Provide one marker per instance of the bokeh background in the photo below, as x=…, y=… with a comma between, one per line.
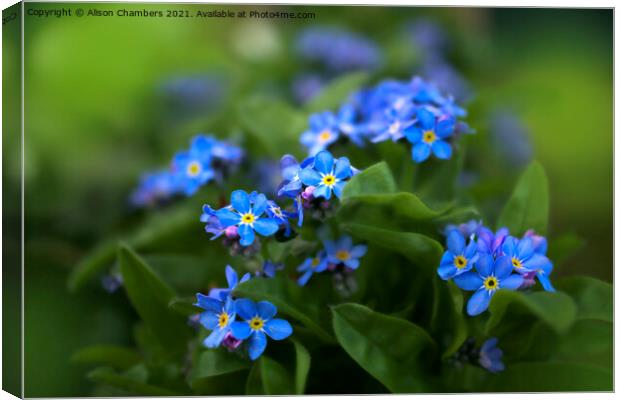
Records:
x=107, y=98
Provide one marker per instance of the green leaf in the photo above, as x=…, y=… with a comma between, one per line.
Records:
x=337, y=92
x=563, y=247
x=274, y=123
x=290, y=299
x=108, y=376
x=550, y=377
x=302, y=360
x=418, y=248
x=447, y=321
x=150, y=296
x=218, y=371
x=589, y=341
x=395, y=351
x=276, y=379
x=92, y=265
x=594, y=297
x=557, y=309
x=528, y=207
x=376, y=179
x=108, y=355
x=184, y=306
x=254, y=383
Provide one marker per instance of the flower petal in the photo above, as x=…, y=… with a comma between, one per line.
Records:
x=512, y=282
x=260, y=204
x=447, y=271
x=442, y=149
x=322, y=191
x=510, y=246
x=324, y=162
x=479, y=302
x=208, y=303
x=445, y=127
x=240, y=330
x=525, y=248
x=343, y=168
x=543, y=278
x=485, y=264
x=456, y=242
x=503, y=267
x=352, y=263
x=266, y=310
x=257, y=345
x=305, y=277
x=215, y=338
x=420, y=152
x=266, y=226
x=413, y=134
x=278, y=329
x=359, y=251
x=227, y=218
x=539, y=262
x=240, y=201
x=246, y=308
x=209, y=320
x=310, y=177
x=231, y=277
x=338, y=187
x=426, y=119
x=246, y=234
x=468, y=281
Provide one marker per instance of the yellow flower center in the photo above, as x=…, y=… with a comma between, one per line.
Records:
x=222, y=320
x=429, y=137
x=343, y=255
x=329, y=180
x=490, y=283
x=460, y=262
x=324, y=136
x=277, y=211
x=248, y=218
x=315, y=262
x=193, y=168
x=257, y=323
x=516, y=263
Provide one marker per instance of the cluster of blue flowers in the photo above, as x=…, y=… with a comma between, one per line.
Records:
x=206, y=159
x=393, y=110
x=257, y=319
x=341, y=253
x=479, y=260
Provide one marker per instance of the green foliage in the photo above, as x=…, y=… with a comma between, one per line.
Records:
x=108, y=355
x=393, y=350
x=528, y=207
x=131, y=385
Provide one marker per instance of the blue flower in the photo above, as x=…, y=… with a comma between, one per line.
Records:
x=310, y=266
x=258, y=324
x=323, y=131
x=291, y=185
x=425, y=92
x=270, y=269
x=429, y=136
x=112, y=282
x=491, y=276
x=489, y=242
x=193, y=167
x=217, y=317
x=246, y=213
x=233, y=280
x=467, y=229
x=491, y=356
x=343, y=251
x=525, y=260
x=395, y=123
x=280, y=216
x=326, y=175
x=153, y=187
x=459, y=258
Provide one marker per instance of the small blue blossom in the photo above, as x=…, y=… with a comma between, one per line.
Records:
x=291, y=185
x=217, y=317
x=310, y=266
x=428, y=136
x=280, y=216
x=270, y=269
x=489, y=242
x=491, y=276
x=193, y=167
x=467, y=229
x=344, y=252
x=526, y=261
x=245, y=213
x=233, y=280
x=491, y=356
x=396, y=122
x=258, y=324
x=327, y=175
x=154, y=187
x=459, y=258
x=112, y=282
x=323, y=131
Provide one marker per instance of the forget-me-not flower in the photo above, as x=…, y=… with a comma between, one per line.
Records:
x=233, y=280
x=491, y=356
x=217, y=317
x=258, y=324
x=193, y=167
x=428, y=136
x=326, y=175
x=525, y=260
x=459, y=258
x=343, y=251
x=246, y=214
x=310, y=266
x=490, y=276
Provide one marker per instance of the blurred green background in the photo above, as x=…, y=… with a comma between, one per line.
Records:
x=96, y=119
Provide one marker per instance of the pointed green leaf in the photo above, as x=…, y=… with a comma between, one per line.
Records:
x=528, y=207
x=276, y=379
x=376, y=179
x=108, y=376
x=150, y=296
x=254, y=383
x=184, y=306
x=557, y=310
x=594, y=297
x=395, y=351
x=218, y=371
x=418, y=248
x=302, y=360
